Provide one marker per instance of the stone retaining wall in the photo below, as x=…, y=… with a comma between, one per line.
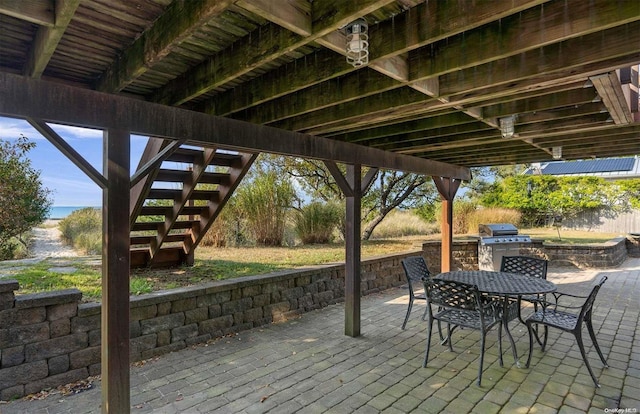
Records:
x=600, y=256
x=50, y=339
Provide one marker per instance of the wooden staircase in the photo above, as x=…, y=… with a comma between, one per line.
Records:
x=182, y=191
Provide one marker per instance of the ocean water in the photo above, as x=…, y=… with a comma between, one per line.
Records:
x=60, y=212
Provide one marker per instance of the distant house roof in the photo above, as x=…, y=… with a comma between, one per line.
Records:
x=608, y=168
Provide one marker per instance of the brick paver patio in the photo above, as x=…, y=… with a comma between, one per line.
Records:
x=308, y=365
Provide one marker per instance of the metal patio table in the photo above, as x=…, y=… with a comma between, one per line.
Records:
x=503, y=285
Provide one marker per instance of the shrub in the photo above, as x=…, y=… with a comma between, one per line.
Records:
x=315, y=223
x=8, y=249
x=82, y=229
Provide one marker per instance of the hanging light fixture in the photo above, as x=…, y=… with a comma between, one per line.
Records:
x=507, y=126
x=556, y=152
x=357, y=43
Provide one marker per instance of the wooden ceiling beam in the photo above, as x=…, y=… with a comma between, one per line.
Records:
x=437, y=20
x=40, y=12
x=375, y=108
x=177, y=23
x=303, y=73
x=522, y=32
x=499, y=75
x=53, y=102
x=294, y=15
x=47, y=38
x=610, y=91
x=270, y=43
x=414, y=125
x=354, y=86
x=439, y=142
x=429, y=22
x=589, y=55
x=540, y=103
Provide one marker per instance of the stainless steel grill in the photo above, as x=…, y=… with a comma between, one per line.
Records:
x=501, y=233
x=498, y=240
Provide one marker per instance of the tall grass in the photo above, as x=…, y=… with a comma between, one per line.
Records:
x=316, y=222
x=403, y=223
x=264, y=204
x=82, y=229
x=492, y=215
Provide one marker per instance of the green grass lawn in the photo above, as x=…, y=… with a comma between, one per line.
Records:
x=229, y=262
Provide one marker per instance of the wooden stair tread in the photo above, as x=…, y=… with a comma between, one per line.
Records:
x=153, y=225
x=180, y=176
x=173, y=194
x=188, y=155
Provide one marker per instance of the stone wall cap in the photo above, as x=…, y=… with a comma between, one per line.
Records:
x=58, y=297
x=8, y=285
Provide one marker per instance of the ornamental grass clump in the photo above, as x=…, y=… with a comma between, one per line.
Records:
x=316, y=223
x=82, y=229
x=264, y=204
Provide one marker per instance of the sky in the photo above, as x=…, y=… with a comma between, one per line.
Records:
x=69, y=185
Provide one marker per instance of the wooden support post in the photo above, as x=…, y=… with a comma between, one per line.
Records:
x=115, y=273
x=447, y=187
x=353, y=186
x=353, y=253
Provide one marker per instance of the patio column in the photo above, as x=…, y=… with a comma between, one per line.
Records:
x=447, y=187
x=116, y=392
x=352, y=252
x=353, y=186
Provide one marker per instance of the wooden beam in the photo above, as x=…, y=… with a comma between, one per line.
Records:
x=367, y=110
x=590, y=55
x=68, y=151
x=353, y=187
x=40, y=12
x=273, y=112
x=341, y=181
x=115, y=274
x=180, y=21
x=143, y=182
x=48, y=37
x=346, y=89
x=22, y=97
x=294, y=15
x=155, y=162
x=435, y=20
x=353, y=253
x=610, y=91
x=543, y=25
x=270, y=43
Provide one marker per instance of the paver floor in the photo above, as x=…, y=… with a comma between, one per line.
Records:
x=308, y=365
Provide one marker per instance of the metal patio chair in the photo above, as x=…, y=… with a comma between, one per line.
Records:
x=459, y=304
x=415, y=269
x=528, y=266
x=551, y=316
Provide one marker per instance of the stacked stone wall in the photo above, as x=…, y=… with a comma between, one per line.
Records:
x=50, y=339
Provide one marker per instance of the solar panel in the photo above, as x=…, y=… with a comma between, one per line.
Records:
x=589, y=166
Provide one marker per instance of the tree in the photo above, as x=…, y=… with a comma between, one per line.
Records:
x=390, y=189
x=543, y=197
x=24, y=202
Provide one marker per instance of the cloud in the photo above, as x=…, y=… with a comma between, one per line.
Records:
x=11, y=128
